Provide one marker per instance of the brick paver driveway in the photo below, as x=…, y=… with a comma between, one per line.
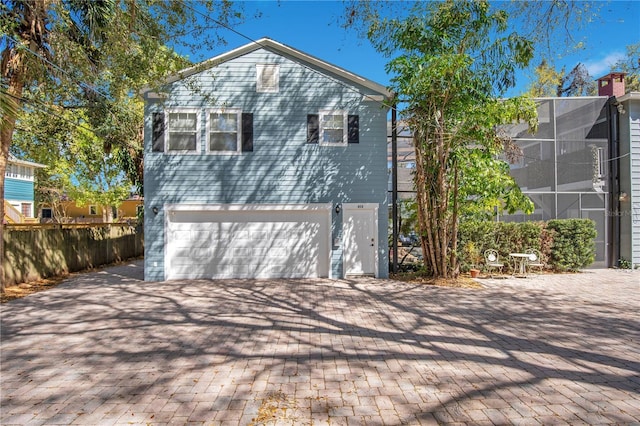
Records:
x=107, y=348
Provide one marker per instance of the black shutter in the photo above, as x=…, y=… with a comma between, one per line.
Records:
x=247, y=132
x=313, y=128
x=354, y=128
x=157, y=132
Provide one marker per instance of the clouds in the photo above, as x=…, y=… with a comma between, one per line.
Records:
x=602, y=67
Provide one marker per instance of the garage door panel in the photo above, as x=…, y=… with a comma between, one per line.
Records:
x=248, y=244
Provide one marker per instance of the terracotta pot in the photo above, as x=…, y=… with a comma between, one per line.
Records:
x=474, y=273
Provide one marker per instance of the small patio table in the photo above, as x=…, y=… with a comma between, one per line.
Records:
x=520, y=262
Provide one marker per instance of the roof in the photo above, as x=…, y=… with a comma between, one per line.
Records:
x=629, y=96
x=269, y=44
x=13, y=160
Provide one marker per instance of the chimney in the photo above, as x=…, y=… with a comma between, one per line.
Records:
x=611, y=84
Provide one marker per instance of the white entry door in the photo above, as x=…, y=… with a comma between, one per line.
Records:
x=360, y=236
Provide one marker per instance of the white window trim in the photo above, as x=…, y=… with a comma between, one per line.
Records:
x=20, y=172
x=167, y=130
x=345, y=127
x=260, y=88
x=236, y=111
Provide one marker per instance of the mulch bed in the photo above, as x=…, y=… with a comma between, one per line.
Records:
x=415, y=278
x=21, y=290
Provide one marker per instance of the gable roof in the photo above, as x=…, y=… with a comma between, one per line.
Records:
x=269, y=44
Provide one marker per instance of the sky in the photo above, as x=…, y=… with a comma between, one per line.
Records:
x=312, y=27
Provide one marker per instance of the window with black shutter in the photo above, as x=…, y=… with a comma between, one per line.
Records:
x=333, y=128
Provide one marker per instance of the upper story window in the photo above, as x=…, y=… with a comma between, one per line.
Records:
x=178, y=131
x=183, y=131
x=19, y=172
x=267, y=78
x=224, y=130
x=333, y=127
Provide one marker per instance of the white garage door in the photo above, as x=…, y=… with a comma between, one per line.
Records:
x=255, y=241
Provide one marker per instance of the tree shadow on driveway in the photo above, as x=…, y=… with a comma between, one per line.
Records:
x=108, y=347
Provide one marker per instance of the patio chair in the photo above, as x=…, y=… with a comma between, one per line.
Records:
x=492, y=261
x=535, y=259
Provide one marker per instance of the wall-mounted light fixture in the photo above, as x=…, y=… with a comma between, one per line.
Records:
x=155, y=210
x=623, y=196
x=338, y=209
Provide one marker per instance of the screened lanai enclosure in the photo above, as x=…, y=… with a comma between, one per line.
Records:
x=565, y=167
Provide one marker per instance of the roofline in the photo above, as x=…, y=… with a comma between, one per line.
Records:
x=14, y=160
x=272, y=44
x=544, y=98
x=629, y=96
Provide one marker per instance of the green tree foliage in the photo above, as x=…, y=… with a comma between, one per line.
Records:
x=485, y=186
x=78, y=168
x=454, y=60
x=550, y=82
x=630, y=65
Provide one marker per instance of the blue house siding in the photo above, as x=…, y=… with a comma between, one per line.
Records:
x=283, y=168
x=18, y=190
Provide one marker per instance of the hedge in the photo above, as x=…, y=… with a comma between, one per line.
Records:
x=573, y=243
x=566, y=244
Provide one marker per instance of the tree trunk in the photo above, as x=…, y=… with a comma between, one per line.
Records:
x=31, y=29
x=9, y=123
x=12, y=71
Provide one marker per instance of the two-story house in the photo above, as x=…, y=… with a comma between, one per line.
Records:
x=265, y=162
x=19, y=190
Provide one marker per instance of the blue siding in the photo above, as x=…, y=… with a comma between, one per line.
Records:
x=18, y=190
x=282, y=168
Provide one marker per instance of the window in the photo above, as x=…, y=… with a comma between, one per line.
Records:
x=25, y=209
x=182, y=131
x=229, y=131
x=93, y=210
x=224, y=131
x=333, y=128
x=46, y=213
x=267, y=78
x=19, y=172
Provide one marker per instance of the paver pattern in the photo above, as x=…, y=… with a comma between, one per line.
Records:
x=108, y=348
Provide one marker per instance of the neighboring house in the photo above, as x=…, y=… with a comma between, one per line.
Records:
x=627, y=221
x=265, y=162
x=69, y=212
x=583, y=162
x=18, y=190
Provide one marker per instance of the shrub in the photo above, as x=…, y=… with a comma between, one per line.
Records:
x=567, y=244
x=573, y=244
x=505, y=237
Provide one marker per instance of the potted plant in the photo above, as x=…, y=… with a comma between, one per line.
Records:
x=472, y=254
